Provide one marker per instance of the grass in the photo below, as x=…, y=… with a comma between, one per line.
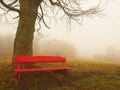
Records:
x=83, y=75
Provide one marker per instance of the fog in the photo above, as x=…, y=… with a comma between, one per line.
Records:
x=97, y=37
x=54, y=47
x=6, y=45
x=44, y=46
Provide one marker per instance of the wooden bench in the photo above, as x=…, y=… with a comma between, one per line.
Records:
x=38, y=59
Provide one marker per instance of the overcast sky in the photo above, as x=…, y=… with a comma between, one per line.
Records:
x=93, y=37
x=96, y=34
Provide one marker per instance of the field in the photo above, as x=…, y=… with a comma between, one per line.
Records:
x=83, y=75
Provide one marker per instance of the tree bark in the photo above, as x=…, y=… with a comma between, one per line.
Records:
x=25, y=32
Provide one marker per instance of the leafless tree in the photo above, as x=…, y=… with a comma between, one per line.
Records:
x=31, y=11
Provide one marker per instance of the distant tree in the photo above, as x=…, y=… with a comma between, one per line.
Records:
x=6, y=45
x=54, y=47
x=30, y=11
x=111, y=54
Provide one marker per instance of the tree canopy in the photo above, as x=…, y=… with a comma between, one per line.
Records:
x=72, y=9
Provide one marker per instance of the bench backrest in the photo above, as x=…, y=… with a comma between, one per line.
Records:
x=36, y=59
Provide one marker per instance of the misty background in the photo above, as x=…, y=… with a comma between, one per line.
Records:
x=96, y=37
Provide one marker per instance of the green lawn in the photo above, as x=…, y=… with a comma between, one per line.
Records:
x=83, y=75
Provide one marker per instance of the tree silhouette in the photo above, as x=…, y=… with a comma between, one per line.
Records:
x=32, y=11
x=54, y=47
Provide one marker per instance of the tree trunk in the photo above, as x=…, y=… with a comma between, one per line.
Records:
x=26, y=26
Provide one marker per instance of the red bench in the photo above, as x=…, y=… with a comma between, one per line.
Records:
x=37, y=59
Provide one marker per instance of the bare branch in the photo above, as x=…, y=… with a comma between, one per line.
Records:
x=13, y=2
x=74, y=11
x=9, y=7
x=43, y=17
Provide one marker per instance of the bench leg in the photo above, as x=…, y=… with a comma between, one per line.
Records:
x=18, y=75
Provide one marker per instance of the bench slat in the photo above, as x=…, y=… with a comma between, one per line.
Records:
x=41, y=69
x=36, y=59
